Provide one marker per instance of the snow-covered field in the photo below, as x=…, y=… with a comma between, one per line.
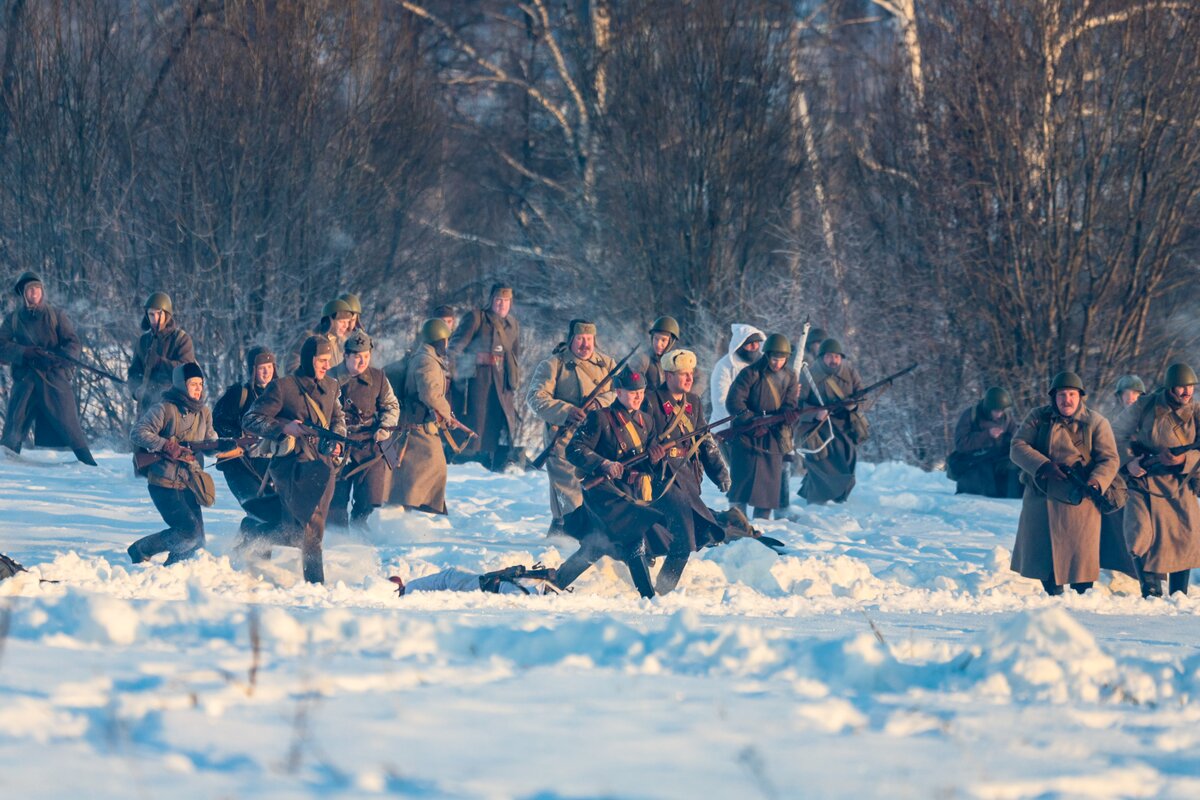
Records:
x=889, y=653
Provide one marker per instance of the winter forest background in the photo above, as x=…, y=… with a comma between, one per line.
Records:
x=998, y=189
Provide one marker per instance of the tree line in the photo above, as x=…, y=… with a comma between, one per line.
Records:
x=997, y=189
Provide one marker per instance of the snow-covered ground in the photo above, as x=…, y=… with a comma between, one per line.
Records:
x=889, y=653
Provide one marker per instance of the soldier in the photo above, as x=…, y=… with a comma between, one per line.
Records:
x=1129, y=389
x=163, y=347
x=371, y=410
x=334, y=326
x=246, y=475
x=176, y=480
x=812, y=348
x=829, y=473
x=34, y=339
x=628, y=527
x=1162, y=519
x=676, y=411
x=302, y=467
x=355, y=305
x=485, y=348
x=1058, y=535
x=419, y=482
x=558, y=387
x=982, y=438
x=745, y=345
x=756, y=456
x=664, y=333
x=446, y=314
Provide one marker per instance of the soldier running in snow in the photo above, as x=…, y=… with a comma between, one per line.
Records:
x=38, y=340
x=419, y=481
x=291, y=413
x=371, y=411
x=982, y=438
x=829, y=471
x=178, y=485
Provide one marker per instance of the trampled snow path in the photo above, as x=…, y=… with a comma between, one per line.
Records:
x=761, y=677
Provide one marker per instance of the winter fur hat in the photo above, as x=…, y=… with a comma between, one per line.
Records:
x=184, y=373
x=313, y=346
x=679, y=360
x=257, y=356
x=579, y=327
x=358, y=342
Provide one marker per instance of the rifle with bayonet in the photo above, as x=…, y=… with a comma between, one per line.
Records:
x=224, y=447
x=853, y=399
x=570, y=427
x=40, y=353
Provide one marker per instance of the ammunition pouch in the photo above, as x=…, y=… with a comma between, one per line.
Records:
x=859, y=428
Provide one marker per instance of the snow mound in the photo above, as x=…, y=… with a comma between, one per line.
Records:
x=1047, y=655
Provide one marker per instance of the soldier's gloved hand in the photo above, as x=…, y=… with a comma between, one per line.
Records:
x=725, y=484
x=995, y=431
x=173, y=449
x=1051, y=470
x=293, y=428
x=576, y=416
x=382, y=435
x=1167, y=460
x=791, y=416
x=613, y=469
x=657, y=452
x=822, y=414
x=1095, y=484
x=1134, y=467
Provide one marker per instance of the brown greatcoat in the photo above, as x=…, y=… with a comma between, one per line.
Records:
x=560, y=383
x=41, y=396
x=989, y=471
x=420, y=480
x=485, y=348
x=1162, y=518
x=756, y=460
x=829, y=473
x=303, y=478
x=155, y=358
x=1057, y=541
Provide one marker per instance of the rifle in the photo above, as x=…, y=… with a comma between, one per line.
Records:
x=143, y=458
x=1077, y=474
x=490, y=581
x=669, y=443
x=854, y=398
x=570, y=427
x=1150, y=457
x=70, y=359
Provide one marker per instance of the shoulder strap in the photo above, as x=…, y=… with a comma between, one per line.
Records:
x=312, y=404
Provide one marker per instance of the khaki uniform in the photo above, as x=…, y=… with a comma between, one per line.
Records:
x=1162, y=518
x=155, y=358
x=560, y=383
x=756, y=460
x=829, y=474
x=485, y=349
x=369, y=404
x=1058, y=542
x=419, y=482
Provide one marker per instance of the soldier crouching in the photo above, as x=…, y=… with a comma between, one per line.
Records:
x=178, y=486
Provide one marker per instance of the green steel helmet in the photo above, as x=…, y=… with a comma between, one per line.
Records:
x=831, y=346
x=997, y=399
x=665, y=325
x=1067, y=380
x=26, y=278
x=352, y=301
x=1179, y=375
x=435, y=330
x=777, y=345
x=335, y=307
x=160, y=301
x=815, y=337
x=1130, y=382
